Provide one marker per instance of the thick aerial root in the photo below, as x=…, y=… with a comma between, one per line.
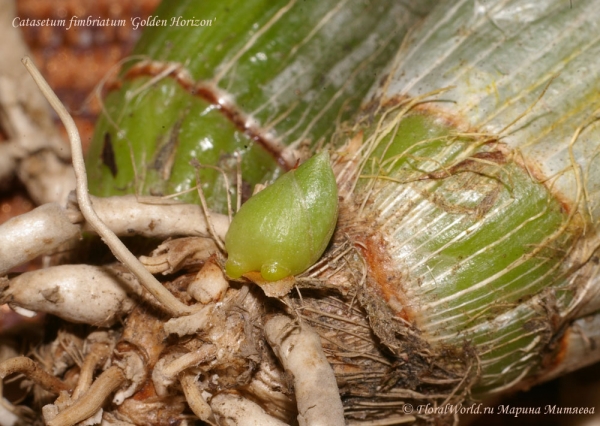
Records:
x=8, y=414
x=166, y=370
x=298, y=347
x=46, y=228
x=91, y=401
x=190, y=324
x=238, y=411
x=32, y=234
x=195, y=400
x=76, y=293
x=151, y=217
x=109, y=419
x=204, y=354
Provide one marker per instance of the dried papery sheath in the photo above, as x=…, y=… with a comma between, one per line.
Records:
x=285, y=228
x=209, y=285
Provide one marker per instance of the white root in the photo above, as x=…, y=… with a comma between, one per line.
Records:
x=167, y=369
x=195, y=400
x=32, y=234
x=170, y=303
x=234, y=410
x=76, y=293
x=108, y=419
x=7, y=414
x=298, y=347
x=44, y=229
x=152, y=217
x=201, y=355
x=190, y=324
x=209, y=285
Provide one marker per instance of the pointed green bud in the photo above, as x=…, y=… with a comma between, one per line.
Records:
x=285, y=228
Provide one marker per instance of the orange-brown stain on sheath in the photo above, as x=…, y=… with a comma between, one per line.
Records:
x=387, y=278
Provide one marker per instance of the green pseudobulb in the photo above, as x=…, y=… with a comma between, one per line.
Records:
x=285, y=228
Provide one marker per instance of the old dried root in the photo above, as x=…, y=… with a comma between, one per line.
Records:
x=99, y=351
x=91, y=401
x=33, y=371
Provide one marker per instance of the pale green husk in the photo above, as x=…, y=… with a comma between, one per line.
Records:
x=474, y=190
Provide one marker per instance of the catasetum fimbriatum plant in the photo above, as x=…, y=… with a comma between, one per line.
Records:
x=439, y=248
